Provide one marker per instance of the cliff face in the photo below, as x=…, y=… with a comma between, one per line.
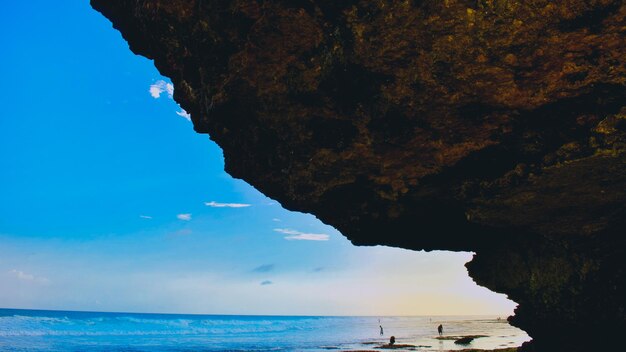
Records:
x=496, y=126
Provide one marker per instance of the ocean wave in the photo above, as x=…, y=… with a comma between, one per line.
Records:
x=19, y=325
x=45, y=331
x=43, y=320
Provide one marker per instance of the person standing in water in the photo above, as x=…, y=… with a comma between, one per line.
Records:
x=440, y=329
x=381, y=330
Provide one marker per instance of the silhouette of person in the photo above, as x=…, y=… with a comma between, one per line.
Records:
x=440, y=329
x=392, y=340
x=381, y=330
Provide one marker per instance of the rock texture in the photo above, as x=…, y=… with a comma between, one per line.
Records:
x=494, y=126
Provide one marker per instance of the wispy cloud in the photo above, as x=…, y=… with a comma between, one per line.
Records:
x=318, y=269
x=22, y=276
x=266, y=282
x=294, y=235
x=184, y=114
x=159, y=87
x=185, y=216
x=145, y=216
x=276, y=219
x=265, y=268
x=308, y=237
x=214, y=204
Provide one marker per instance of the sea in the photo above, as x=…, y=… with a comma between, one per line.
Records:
x=64, y=331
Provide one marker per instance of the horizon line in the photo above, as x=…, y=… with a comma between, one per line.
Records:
x=257, y=315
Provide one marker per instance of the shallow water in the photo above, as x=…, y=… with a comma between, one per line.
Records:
x=33, y=330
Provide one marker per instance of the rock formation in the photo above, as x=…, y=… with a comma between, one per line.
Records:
x=493, y=126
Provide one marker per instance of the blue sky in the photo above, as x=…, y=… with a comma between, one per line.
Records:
x=109, y=200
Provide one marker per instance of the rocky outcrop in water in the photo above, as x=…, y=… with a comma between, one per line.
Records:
x=493, y=126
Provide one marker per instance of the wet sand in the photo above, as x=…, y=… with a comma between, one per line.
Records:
x=415, y=348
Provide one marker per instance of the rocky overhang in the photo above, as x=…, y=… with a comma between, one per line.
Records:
x=493, y=126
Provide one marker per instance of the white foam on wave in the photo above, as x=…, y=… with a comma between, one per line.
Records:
x=19, y=325
x=45, y=320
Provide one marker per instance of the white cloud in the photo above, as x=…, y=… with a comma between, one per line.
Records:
x=308, y=237
x=276, y=219
x=302, y=236
x=145, y=216
x=185, y=216
x=214, y=204
x=184, y=114
x=159, y=87
x=20, y=275
x=155, y=91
